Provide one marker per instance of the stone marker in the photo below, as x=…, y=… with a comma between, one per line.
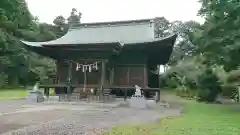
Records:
x=138, y=101
x=35, y=95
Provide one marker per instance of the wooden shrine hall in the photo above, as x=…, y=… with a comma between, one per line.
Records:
x=107, y=55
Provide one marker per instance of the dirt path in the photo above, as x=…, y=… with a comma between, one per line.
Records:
x=71, y=120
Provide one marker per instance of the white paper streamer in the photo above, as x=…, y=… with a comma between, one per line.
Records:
x=78, y=67
x=90, y=68
x=95, y=65
x=86, y=67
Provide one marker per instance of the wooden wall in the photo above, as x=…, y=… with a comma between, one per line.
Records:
x=130, y=69
x=129, y=75
x=126, y=70
x=93, y=77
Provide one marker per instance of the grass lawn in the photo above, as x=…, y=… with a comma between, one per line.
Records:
x=198, y=119
x=6, y=94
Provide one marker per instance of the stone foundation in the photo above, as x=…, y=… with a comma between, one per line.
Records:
x=35, y=96
x=101, y=98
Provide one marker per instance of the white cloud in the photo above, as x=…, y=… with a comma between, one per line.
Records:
x=113, y=10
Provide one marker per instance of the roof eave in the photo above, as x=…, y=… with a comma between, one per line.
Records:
x=44, y=44
x=172, y=38
x=33, y=44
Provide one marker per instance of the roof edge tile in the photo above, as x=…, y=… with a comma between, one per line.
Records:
x=112, y=23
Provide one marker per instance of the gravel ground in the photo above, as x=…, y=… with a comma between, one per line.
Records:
x=12, y=105
x=86, y=122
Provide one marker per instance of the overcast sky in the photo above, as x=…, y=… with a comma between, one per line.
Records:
x=114, y=10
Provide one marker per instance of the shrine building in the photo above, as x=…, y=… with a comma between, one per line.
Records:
x=106, y=55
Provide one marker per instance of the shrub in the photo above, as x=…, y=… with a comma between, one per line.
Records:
x=184, y=73
x=184, y=92
x=209, y=86
x=171, y=80
x=203, y=95
x=191, y=78
x=3, y=80
x=234, y=77
x=230, y=88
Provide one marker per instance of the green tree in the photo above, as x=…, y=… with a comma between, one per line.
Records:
x=183, y=48
x=219, y=41
x=60, y=21
x=75, y=17
x=18, y=65
x=161, y=26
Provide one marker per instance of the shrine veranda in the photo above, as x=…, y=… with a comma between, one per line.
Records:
x=107, y=55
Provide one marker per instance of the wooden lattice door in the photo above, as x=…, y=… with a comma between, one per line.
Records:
x=136, y=76
x=129, y=76
x=121, y=76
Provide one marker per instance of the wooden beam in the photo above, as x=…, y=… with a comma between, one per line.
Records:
x=88, y=49
x=61, y=54
x=121, y=65
x=84, y=55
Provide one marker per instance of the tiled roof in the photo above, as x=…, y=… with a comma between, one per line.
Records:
x=124, y=32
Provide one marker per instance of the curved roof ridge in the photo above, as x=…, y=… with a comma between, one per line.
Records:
x=112, y=23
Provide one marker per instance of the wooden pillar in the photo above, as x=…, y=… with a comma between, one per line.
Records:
x=112, y=77
x=125, y=94
x=69, y=77
x=145, y=76
x=85, y=81
x=158, y=95
x=57, y=72
x=46, y=91
x=159, y=83
x=128, y=75
x=57, y=77
x=103, y=73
